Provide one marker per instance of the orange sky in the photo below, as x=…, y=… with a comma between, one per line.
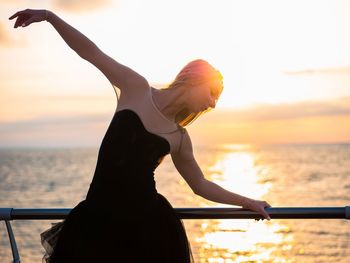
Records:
x=286, y=67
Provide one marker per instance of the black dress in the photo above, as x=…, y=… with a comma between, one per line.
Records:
x=123, y=218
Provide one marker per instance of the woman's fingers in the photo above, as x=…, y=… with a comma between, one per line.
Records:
x=29, y=21
x=262, y=211
x=28, y=16
x=259, y=207
x=266, y=215
x=15, y=15
x=19, y=13
x=22, y=18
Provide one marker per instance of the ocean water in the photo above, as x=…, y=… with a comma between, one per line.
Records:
x=283, y=175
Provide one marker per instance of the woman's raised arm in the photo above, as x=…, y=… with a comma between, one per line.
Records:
x=118, y=74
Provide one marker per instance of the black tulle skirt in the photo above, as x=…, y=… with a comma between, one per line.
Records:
x=86, y=236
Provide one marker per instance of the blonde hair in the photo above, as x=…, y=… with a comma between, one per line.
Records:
x=195, y=73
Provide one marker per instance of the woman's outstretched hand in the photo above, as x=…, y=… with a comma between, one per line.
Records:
x=28, y=16
x=259, y=207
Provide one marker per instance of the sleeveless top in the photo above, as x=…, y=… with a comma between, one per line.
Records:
x=128, y=155
x=123, y=218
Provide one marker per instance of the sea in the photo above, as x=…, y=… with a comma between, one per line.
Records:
x=303, y=175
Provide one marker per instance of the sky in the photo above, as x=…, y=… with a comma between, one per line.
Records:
x=286, y=68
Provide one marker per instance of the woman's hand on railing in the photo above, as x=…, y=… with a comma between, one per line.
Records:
x=29, y=16
x=258, y=206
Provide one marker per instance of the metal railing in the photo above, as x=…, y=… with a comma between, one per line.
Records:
x=8, y=214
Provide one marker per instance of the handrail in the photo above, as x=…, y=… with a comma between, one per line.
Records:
x=195, y=213
x=7, y=214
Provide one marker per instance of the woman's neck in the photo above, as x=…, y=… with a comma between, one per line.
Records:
x=169, y=101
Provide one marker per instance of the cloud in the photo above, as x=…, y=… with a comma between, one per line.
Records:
x=74, y=131
x=302, y=122
x=80, y=5
x=53, y=121
x=290, y=111
x=256, y=124
x=285, y=111
x=302, y=110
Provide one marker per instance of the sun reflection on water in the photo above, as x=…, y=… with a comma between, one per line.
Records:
x=236, y=171
x=242, y=240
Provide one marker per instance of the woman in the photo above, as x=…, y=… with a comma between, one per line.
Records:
x=123, y=218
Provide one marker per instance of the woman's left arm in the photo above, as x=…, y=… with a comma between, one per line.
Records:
x=121, y=76
x=187, y=166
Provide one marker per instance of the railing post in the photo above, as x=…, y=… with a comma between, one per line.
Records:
x=14, y=248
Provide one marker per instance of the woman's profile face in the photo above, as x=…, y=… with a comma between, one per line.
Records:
x=201, y=98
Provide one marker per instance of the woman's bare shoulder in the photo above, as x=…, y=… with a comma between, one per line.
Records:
x=135, y=91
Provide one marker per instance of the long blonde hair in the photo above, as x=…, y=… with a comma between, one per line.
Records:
x=194, y=73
